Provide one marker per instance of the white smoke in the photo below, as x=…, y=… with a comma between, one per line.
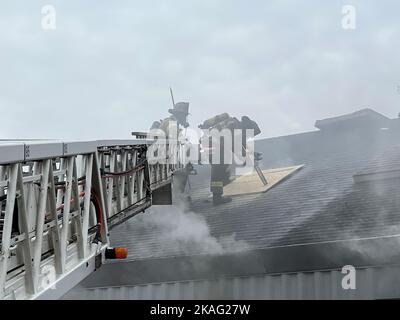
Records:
x=380, y=226
x=183, y=232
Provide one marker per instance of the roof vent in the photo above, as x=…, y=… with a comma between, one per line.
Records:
x=363, y=119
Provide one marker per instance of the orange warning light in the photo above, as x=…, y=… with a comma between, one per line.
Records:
x=116, y=253
x=121, y=253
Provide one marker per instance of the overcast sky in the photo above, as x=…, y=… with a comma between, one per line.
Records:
x=107, y=67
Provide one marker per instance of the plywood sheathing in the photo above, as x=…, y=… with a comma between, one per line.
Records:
x=251, y=183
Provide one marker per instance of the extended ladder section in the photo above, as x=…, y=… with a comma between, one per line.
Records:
x=58, y=201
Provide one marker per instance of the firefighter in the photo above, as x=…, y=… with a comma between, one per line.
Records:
x=221, y=173
x=171, y=127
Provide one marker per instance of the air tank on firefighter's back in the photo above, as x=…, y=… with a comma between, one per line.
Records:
x=209, y=123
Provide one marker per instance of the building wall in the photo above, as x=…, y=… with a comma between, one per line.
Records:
x=371, y=283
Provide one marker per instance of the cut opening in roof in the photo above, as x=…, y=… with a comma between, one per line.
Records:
x=385, y=165
x=376, y=176
x=251, y=183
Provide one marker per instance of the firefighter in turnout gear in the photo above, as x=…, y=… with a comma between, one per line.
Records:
x=171, y=126
x=178, y=117
x=221, y=173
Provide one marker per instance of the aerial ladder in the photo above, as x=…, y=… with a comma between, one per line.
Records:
x=60, y=199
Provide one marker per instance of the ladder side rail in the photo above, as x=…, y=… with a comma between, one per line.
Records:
x=7, y=226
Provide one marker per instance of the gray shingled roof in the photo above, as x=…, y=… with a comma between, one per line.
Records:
x=319, y=203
